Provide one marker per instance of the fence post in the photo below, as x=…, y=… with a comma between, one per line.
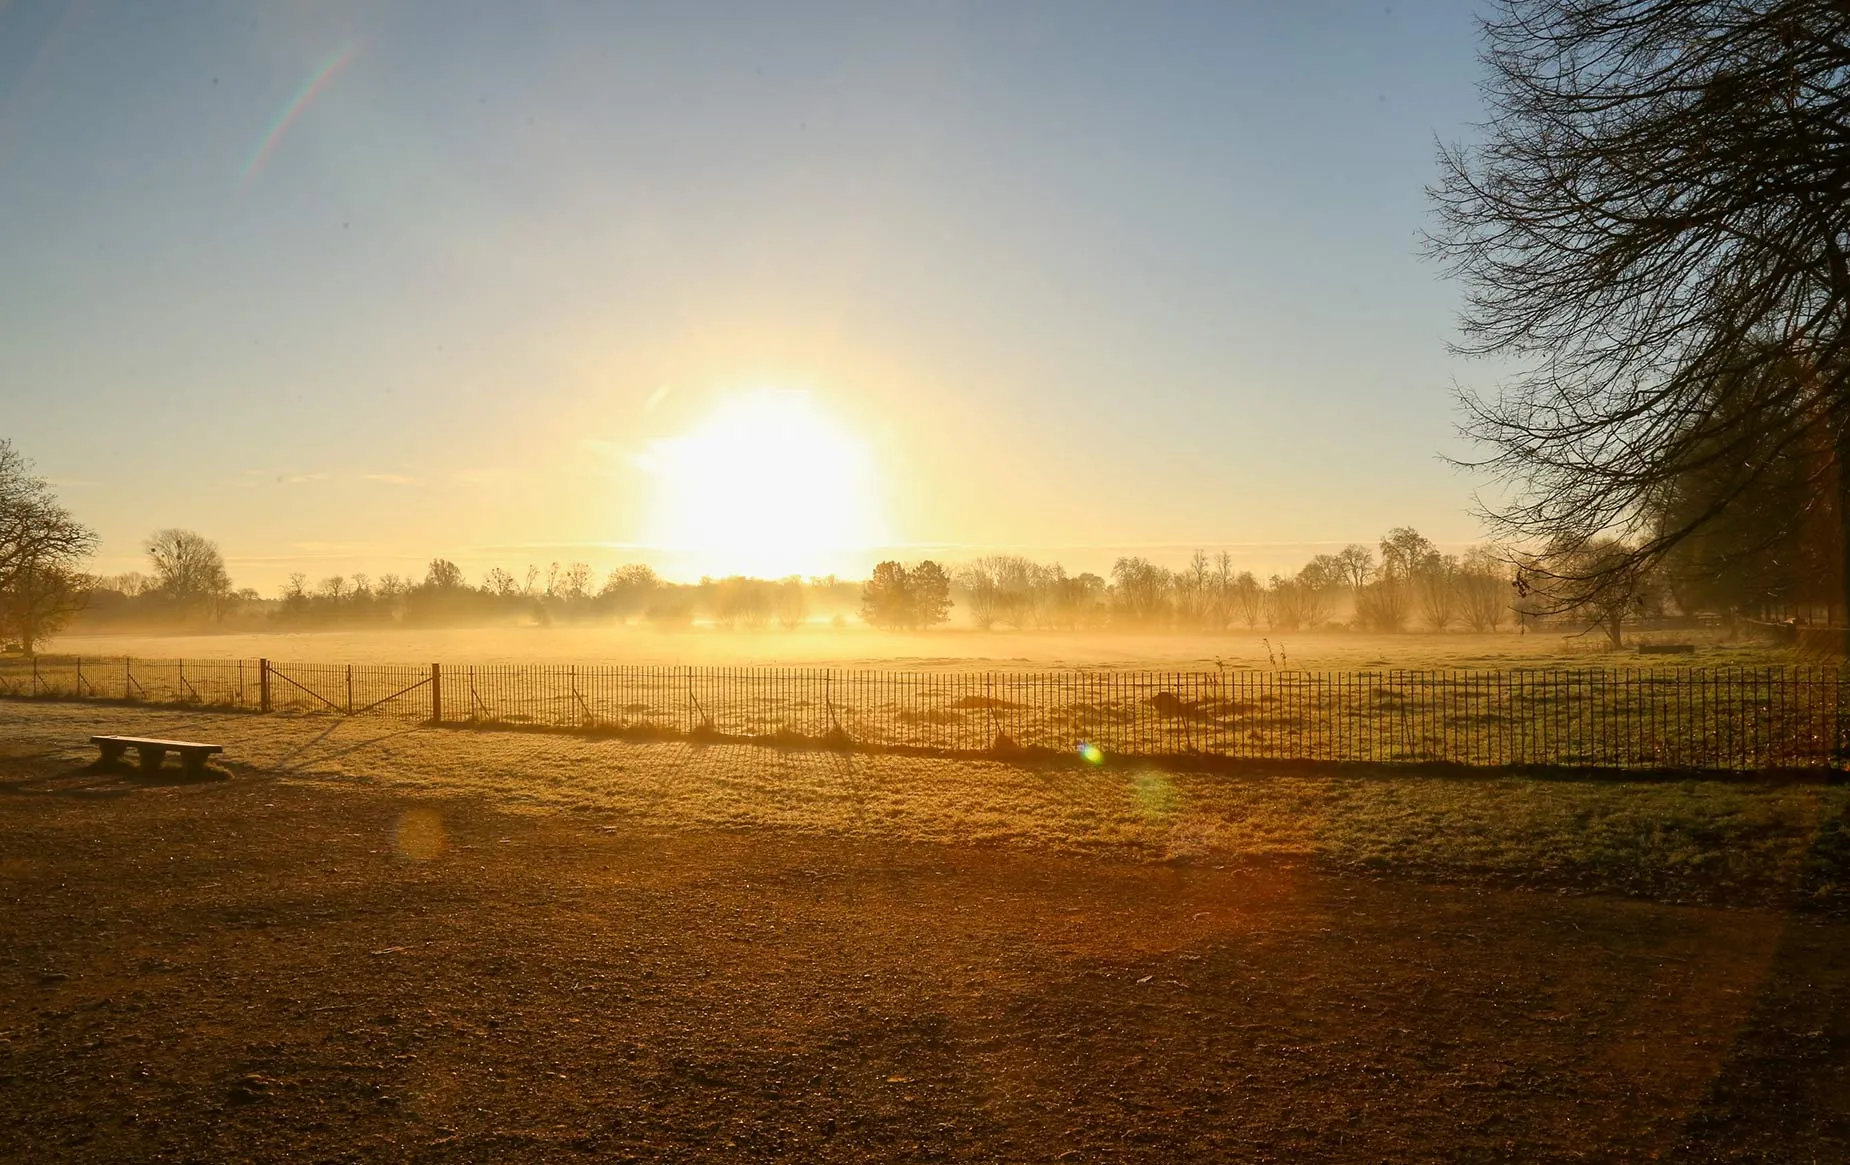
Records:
x=436, y=693
x=263, y=685
x=349, y=689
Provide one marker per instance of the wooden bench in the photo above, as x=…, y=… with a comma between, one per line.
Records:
x=153, y=753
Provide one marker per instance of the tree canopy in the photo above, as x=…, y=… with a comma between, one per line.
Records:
x=1654, y=230
x=41, y=546
x=188, y=568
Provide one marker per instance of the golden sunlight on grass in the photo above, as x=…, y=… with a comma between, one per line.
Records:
x=767, y=485
x=1696, y=840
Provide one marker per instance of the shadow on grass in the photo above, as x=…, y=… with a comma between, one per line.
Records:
x=1006, y=751
x=106, y=779
x=1003, y=749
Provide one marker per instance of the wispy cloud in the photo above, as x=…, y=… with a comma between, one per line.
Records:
x=283, y=477
x=479, y=476
x=389, y=478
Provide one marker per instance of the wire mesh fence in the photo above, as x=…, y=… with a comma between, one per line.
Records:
x=1692, y=718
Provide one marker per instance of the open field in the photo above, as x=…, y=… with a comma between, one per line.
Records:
x=1740, y=841
x=940, y=650
x=385, y=942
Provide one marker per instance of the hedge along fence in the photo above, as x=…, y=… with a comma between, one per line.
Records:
x=1700, y=718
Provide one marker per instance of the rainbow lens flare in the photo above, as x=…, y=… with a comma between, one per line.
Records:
x=1091, y=753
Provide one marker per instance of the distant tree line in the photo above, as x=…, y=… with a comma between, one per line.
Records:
x=1402, y=583
x=187, y=584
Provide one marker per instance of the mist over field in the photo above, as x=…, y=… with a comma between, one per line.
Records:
x=940, y=650
x=860, y=581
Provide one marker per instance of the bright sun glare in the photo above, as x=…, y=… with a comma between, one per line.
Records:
x=766, y=485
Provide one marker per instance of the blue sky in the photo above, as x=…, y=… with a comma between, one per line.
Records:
x=1084, y=277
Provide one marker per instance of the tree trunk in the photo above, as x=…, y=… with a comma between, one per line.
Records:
x=1840, y=604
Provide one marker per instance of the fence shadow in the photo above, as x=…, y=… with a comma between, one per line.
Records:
x=1559, y=724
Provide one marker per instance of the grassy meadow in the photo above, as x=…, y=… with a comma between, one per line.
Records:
x=1766, y=842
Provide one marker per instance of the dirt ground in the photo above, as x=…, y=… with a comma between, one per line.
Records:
x=302, y=964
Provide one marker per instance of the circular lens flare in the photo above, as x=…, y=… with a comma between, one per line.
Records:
x=1091, y=753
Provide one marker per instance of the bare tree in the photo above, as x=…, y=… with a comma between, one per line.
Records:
x=1320, y=579
x=1194, y=592
x=1385, y=603
x=188, y=569
x=443, y=575
x=792, y=604
x=982, y=595
x=1655, y=230
x=1221, y=614
x=575, y=583
x=40, y=547
x=1284, y=603
x=1484, y=591
x=1140, y=590
x=40, y=599
x=1435, y=587
x=500, y=583
x=1358, y=570
x=1248, y=599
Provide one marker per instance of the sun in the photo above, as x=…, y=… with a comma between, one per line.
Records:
x=766, y=485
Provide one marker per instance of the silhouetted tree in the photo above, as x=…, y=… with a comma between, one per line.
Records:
x=40, y=598
x=1284, y=603
x=1140, y=591
x=1357, y=563
x=1656, y=231
x=188, y=570
x=886, y=599
x=1248, y=599
x=443, y=575
x=500, y=583
x=791, y=603
x=1484, y=591
x=1435, y=588
x=1320, y=579
x=931, y=594
x=40, y=547
x=982, y=594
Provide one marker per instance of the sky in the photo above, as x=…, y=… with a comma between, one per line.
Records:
x=349, y=286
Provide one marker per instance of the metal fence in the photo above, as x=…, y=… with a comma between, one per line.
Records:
x=1691, y=718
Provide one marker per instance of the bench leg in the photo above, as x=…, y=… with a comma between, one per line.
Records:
x=151, y=758
x=194, y=763
x=112, y=754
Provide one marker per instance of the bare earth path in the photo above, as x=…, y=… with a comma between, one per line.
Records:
x=324, y=958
